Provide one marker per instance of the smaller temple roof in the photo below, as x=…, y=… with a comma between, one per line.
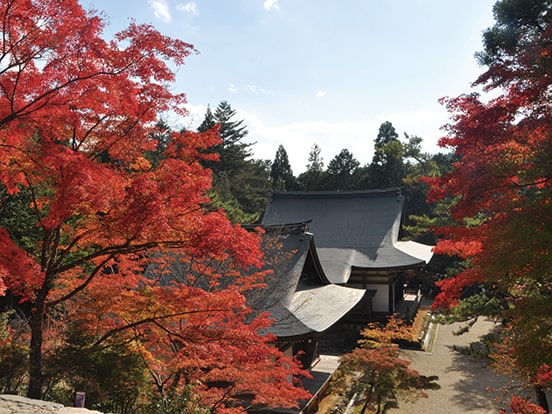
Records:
x=320, y=307
x=298, y=295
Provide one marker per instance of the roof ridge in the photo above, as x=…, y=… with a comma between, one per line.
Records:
x=379, y=192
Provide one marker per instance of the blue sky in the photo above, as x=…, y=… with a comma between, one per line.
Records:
x=300, y=72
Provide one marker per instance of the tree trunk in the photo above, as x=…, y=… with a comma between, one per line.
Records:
x=541, y=398
x=379, y=411
x=35, y=354
x=364, y=406
x=368, y=399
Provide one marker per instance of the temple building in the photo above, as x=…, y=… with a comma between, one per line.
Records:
x=356, y=234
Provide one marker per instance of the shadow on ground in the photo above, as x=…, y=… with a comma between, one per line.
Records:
x=477, y=384
x=465, y=381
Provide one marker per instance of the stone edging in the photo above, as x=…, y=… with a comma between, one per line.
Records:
x=14, y=404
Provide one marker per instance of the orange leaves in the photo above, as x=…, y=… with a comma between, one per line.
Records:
x=101, y=92
x=146, y=45
x=498, y=186
x=77, y=116
x=461, y=248
x=374, y=361
x=520, y=405
x=502, y=189
x=33, y=31
x=379, y=375
x=452, y=287
x=82, y=187
x=377, y=336
x=191, y=335
x=18, y=271
x=544, y=376
x=140, y=164
x=192, y=327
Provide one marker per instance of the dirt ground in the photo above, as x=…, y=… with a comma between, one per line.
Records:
x=468, y=385
x=329, y=401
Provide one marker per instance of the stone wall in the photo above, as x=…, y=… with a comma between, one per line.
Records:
x=14, y=404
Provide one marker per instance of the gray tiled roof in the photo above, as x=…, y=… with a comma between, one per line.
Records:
x=351, y=229
x=319, y=308
x=298, y=307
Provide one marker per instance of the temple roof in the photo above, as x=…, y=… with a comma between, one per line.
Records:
x=298, y=295
x=353, y=229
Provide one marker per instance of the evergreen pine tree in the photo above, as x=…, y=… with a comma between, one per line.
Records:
x=281, y=173
x=342, y=172
x=242, y=185
x=312, y=179
x=387, y=168
x=208, y=121
x=231, y=151
x=316, y=162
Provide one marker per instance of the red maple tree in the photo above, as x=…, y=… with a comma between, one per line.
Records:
x=500, y=189
x=375, y=372
x=77, y=114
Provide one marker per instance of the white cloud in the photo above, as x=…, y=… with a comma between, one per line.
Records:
x=320, y=94
x=190, y=7
x=258, y=90
x=161, y=10
x=299, y=137
x=355, y=136
x=271, y=4
x=233, y=88
x=196, y=115
x=194, y=118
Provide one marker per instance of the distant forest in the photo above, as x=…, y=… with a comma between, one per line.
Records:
x=242, y=184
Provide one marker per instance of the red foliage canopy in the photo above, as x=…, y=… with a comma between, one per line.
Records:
x=77, y=116
x=501, y=187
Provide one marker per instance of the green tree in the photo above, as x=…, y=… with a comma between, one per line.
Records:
x=14, y=355
x=281, y=173
x=421, y=217
x=243, y=195
x=312, y=179
x=316, y=162
x=232, y=151
x=113, y=375
x=379, y=376
x=386, y=169
x=241, y=185
x=208, y=121
x=519, y=26
x=342, y=172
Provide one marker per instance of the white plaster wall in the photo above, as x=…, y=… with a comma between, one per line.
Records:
x=380, y=302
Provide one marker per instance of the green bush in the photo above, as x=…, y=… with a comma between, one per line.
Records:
x=13, y=358
x=113, y=376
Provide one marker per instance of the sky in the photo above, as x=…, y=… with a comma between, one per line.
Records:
x=330, y=72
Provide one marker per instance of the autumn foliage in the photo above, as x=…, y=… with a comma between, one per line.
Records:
x=377, y=374
x=500, y=189
x=77, y=117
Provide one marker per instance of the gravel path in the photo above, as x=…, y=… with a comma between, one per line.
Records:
x=466, y=383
